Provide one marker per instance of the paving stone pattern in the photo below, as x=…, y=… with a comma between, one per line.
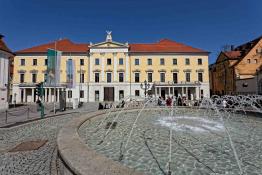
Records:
x=42, y=160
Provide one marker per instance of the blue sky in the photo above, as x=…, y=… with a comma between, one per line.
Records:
x=204, y=24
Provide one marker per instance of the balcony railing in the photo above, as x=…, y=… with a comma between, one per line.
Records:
x=177, y=83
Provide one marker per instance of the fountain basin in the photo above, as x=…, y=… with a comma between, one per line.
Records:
x=199, y=143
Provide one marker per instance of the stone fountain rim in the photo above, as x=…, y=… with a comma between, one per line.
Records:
x=79, y=158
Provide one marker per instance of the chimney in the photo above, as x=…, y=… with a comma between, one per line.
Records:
x=232, y=47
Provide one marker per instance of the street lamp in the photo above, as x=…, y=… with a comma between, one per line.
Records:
x=145, y=86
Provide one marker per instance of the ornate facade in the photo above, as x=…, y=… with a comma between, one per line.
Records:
x=110, y=71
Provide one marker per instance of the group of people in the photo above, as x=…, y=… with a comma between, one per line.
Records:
x=110, y=105
x=172, y=101
x=105, y=106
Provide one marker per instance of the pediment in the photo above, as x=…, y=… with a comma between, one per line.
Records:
x=109, y=44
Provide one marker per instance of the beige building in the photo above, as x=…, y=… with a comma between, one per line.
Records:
x=111, y=71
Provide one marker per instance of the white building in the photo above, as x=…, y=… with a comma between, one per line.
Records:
x=5, y=55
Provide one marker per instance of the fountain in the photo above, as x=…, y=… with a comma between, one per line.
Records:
x=223, y=135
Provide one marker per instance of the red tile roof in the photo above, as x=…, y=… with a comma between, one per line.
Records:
x=3, y=46
x=233, y=54
x=165, y=45
x=64, y=45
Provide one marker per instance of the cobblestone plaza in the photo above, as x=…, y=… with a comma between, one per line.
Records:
x=38, y=161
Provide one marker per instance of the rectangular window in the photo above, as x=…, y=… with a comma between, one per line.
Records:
x=22, y=62
x=162, y=61
x=175, y=77
x=121, y=77
x=46, y=62
x=174, y=61
x=22, y=78
x=248, y=61
x=137, y=77
x=82, y=62
x=199, y=61
x=82, y=93
x=69, y=93
x=121, y=94
x=149, y=61
x=121, y=61
x=162, y=77
x=108, y=77
x=136, y=61
x=45, y=77
x=137, y=93
x=96, y=95
x=200, y=76
x=82, y=78
x=149, y=77
x=109, y=61
x=187, y=77
x=34, y=78
x=97, y=61
x=187, y=61
x=97, y=77
x=34, y=62
x=255, y=61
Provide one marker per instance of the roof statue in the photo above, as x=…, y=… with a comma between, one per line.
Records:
x=109, y=36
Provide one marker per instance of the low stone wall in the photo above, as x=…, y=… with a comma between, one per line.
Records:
x=76, y=158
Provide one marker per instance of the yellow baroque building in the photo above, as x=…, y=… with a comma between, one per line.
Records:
x=111, y=71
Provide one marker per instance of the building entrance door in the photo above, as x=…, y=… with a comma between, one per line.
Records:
x=176, y=93
x=163, y=94
x=109, y=93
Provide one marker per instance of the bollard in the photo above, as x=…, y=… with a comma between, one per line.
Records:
x=42, y=110
x=5, y=116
